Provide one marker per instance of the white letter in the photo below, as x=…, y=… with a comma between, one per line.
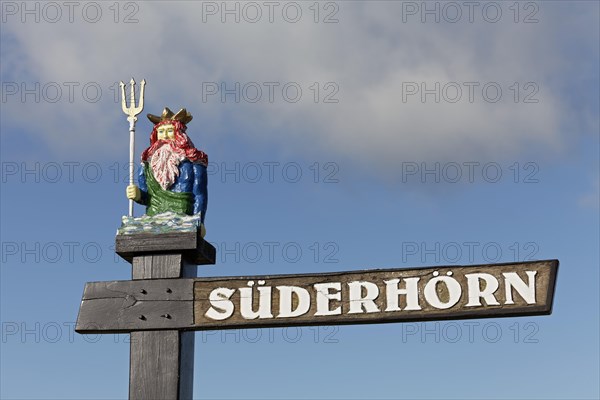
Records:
x=411, y=291
x=264, y=302
x=285, y=301
x=323, y=297
x=491, y=285
x=221, y=307
x=357, y=302
x=527, y=292
x=454, y=291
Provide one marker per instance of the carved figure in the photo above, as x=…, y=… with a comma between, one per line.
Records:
x=173, y=176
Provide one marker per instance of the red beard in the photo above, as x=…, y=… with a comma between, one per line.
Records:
x=181, y=141
x=165, y=162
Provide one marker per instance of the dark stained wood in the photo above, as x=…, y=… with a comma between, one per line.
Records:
x=137, y=304
x=116, y=314
x=156, y=266
x=546, y=276
x=113, y=316
x=186, y=364
x=191, y=244
x=154, y=365
x=160, y=359
x=140, y=290
x=546, y=272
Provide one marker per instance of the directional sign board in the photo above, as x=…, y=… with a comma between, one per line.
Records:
x=357, y=297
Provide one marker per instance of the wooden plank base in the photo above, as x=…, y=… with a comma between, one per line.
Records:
x=191, y=245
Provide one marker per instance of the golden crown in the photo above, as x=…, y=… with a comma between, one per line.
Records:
x=182, y=116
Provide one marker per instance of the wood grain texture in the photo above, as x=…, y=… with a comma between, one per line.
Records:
x=191, y=244
x=136, y=305
x=156, y=266
x=140, y=290
x=161, y=361
x=154, y=365
x=186, y=365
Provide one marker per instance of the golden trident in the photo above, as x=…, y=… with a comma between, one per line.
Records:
x=131, y=112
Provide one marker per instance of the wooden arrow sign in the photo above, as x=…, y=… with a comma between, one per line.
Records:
x=358, y=297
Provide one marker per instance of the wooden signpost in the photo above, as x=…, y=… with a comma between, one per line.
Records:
x=165, y=303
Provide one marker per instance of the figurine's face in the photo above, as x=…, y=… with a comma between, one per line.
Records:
x=166, y=132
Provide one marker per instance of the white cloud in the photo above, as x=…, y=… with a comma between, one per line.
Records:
x=369, y=55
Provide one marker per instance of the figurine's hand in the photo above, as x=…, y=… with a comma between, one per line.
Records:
x=133, y=193
x=202, y=230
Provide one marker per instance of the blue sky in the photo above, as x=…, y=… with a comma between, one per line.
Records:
x=375, y=137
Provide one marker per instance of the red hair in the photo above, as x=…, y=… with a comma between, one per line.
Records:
x=181, y=141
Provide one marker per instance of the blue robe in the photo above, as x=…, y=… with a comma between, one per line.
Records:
x=192, y=179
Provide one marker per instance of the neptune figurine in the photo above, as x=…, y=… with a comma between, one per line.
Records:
x=173, y=177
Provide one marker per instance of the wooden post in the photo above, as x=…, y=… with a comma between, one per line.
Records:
x=162, y=361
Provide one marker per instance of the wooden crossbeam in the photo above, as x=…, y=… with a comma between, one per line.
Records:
x=354, y=297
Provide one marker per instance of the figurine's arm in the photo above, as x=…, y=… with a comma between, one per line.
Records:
x=185, y=181
x=200, y=190
x=143, y=187
x=138, y=194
